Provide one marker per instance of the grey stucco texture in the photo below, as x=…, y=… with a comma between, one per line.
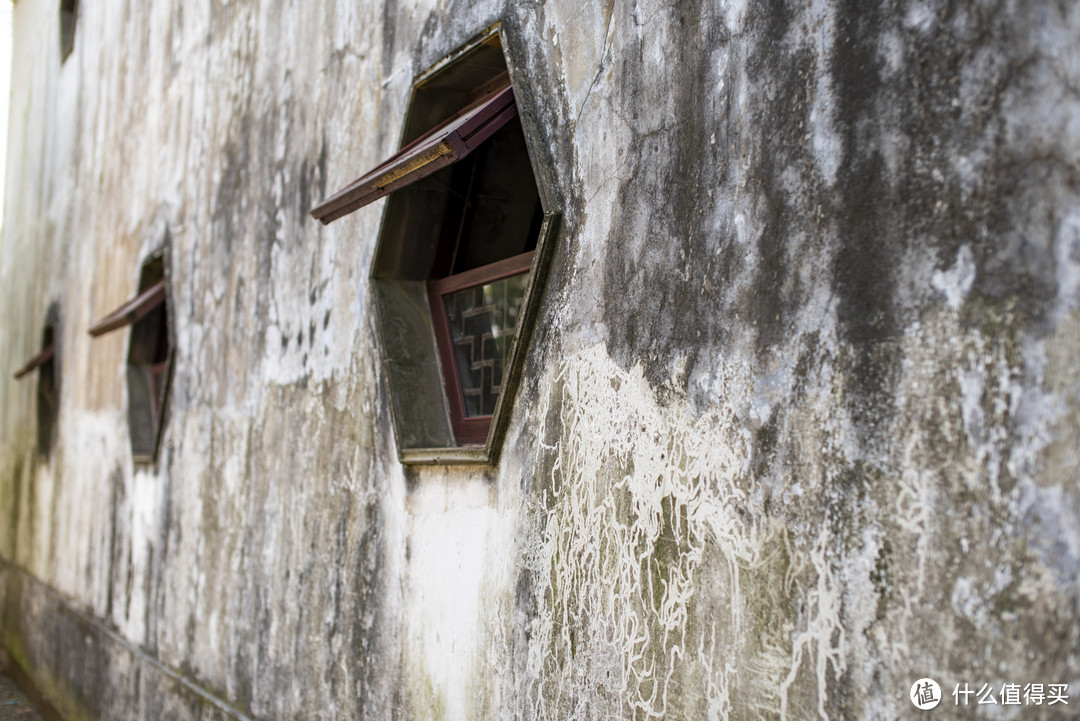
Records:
x=798, y=423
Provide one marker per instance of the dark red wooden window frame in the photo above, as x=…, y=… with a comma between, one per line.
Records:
x=467, y=430
x=36, y=361
x=132, y=310
x=443, y=145
x=158, y=372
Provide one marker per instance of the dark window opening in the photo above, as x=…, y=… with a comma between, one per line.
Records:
x=68, y=11
x=48, y=396
x=493, y=209
x=149, y=360
x=461, y=254
x=480, y=274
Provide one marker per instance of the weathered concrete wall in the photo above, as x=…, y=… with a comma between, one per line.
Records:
x=798, y=426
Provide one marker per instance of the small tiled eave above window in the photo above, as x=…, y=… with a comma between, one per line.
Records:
x=461, y=257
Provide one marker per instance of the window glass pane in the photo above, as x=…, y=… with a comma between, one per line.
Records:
x=502, y=214
x=483, y=321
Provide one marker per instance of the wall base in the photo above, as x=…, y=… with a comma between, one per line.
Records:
x=86, y=671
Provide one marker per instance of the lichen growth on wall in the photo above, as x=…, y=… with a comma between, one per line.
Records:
x=798, y=422
x=680, y=575
x=653, y=535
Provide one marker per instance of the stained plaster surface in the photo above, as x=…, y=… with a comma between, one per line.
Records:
x=797, y=427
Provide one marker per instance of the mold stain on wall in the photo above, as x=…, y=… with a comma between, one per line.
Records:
x=659, y=567
x=675, y=577
x=799, y=418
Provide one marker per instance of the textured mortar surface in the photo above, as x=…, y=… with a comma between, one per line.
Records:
x=798, y=424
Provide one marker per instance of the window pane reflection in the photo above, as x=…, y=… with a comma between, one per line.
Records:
x=483, y=322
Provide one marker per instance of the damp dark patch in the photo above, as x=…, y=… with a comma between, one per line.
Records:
x=31, y=506
x=117, y=502
x=807, y=365
x=773, y=296
x=770, y=19
x=547, y=482
x=13, y=508
x=341, y=548
x=844, y=696
x=882, y=578
x=525, y=595
x=865, y=263
x=865, y=284
x=1016, y=274
x=303, y=195
x=390, y=14
x=369, y=587
x=765, y=447
x=658, y=286
x=229, y=198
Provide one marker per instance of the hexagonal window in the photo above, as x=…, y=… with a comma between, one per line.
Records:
x=461, y=257
x=150, y=355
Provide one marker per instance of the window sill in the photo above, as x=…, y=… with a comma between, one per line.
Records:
x=444, y=456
